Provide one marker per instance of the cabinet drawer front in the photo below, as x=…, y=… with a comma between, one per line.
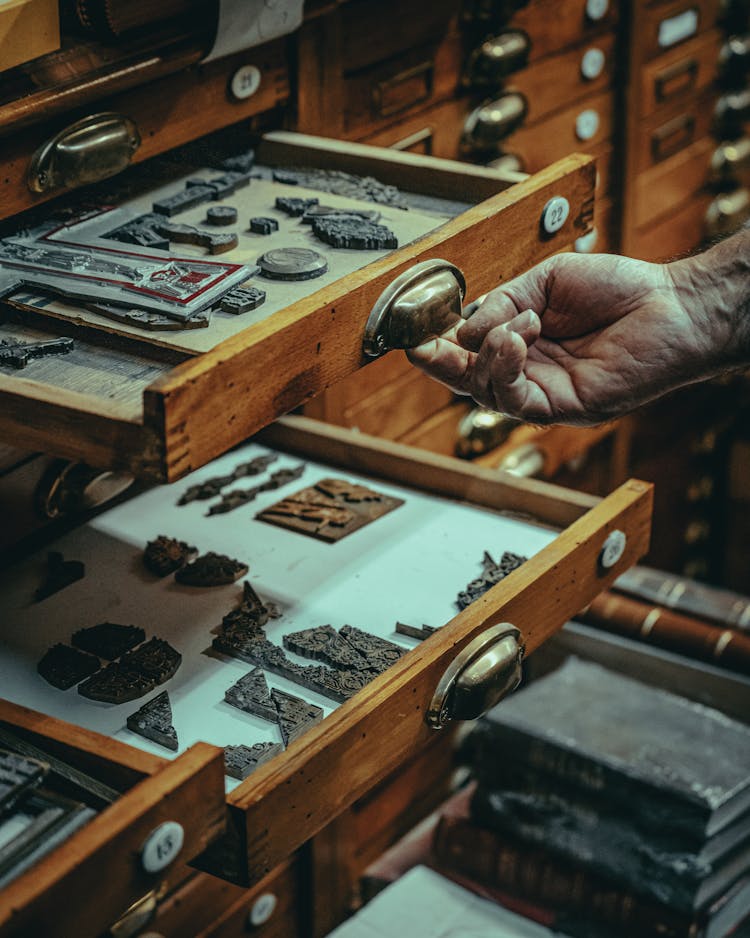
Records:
x=584, y=126
x=672, y=182
x=558, y=81
x=166, y=113
x=162, y=421
x=553, y=25
x=98, y=873
x=673, y=131
x=664, y=26
x=672, y=236
x=678, y=76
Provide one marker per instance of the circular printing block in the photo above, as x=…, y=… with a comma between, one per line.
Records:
x=221, y=215
x=292, y=264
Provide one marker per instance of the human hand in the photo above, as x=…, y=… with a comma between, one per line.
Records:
x=578, y=339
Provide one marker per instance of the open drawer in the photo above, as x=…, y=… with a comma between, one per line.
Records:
x=162, y=404
x=408, y=564
x=134, y=847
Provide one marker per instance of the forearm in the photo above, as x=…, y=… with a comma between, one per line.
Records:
x=714, y=289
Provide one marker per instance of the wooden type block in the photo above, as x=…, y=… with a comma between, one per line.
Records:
x=155, y=660
x=242, y=300
x=294, y=207
x=240, y=761
x=62, y=666
x=413, y=631
x=182, y=201
x=60, y=573
x=145, y=319
x=318, y=513
x=491, y=573
x=18, y=354
x=364, y=188
x=354, y=233
x=108, y=639
x=214, y=241
x=17, y=775
x=221, y=215
x=165, y=555
x=211, y=569
x=252, y=695
x=116, y=684
x=324, y=643
x=379, y=652
x=329, y=211
x=295, y=715
x=239, y=162
x=154, y=721
x=262, y=225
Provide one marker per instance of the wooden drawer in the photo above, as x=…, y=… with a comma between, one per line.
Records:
x=557, y=81
x=604, y=238
x=672, y=131
x=407, y=565
x=681, y=73
x=208, y=907
x=667, y=185
x=544, y=142
x=663, y=26
x=162, y=407
x=97, y=874
x=165, y=113
x=676, y=234
x=553, y=26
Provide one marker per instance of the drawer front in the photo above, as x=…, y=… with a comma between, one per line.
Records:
x=559, y=80
x=583, y=127
x=672, y=132
x=672, y=181
x=166, y=114
x=554, y=26
x=97, y=874
x=605, y=236
x=674, y=235
x=664, y=26
x=208, y=907
x=168, y=420
x=680, y=74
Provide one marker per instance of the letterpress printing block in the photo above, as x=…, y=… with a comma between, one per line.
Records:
x=263, y=225
x=221, y=215
x=60, y=573
x=353, y=233
x=294, y=207
x=211, y=569
x=18, y=354
x=243, y=641
x=240, y=162
x=62, y=666
x=329, y=211
x=164, y=555
x=240, y=761
x=182, y=201
x=255, y=466
x=292, y=264
x=154, y=721
x=283, y=477
x=235, y=498
x=108, y=639
x=242, y=300
x=18, y=774
x=116, y=684
x=155, y=659
x=325, y=644
x=348, y=491
x=364, y=188
x=414, y=631
x=215, y=242
x=378, y=652
x=252, y=695
x=205, y=490
x=143, y=319
x=295, y=715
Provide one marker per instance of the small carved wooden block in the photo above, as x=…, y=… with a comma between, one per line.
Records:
x=165, y=555
x=108, y=639
x=154, y=721
x=240, y=761
x=62, y=666
x=211, y=569
x=252, y=695
x=155, y=659
x=295, y=715
x=329, y=510
x=116, y=684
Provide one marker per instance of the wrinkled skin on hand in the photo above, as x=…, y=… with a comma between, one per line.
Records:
x=579, y=340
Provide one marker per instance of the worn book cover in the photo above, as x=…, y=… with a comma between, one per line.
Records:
x=668, y=760
x=583, y=902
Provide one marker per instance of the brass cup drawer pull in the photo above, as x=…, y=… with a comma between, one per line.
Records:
x=491, y=122
x=87, y=151
x=423, y=302
x=496, y=58
x=731, y=160
x=487, y=669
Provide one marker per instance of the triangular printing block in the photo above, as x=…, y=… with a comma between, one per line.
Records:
x=251, y=694
x=154, y=721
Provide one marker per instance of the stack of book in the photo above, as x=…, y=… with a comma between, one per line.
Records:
x=620, y=808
